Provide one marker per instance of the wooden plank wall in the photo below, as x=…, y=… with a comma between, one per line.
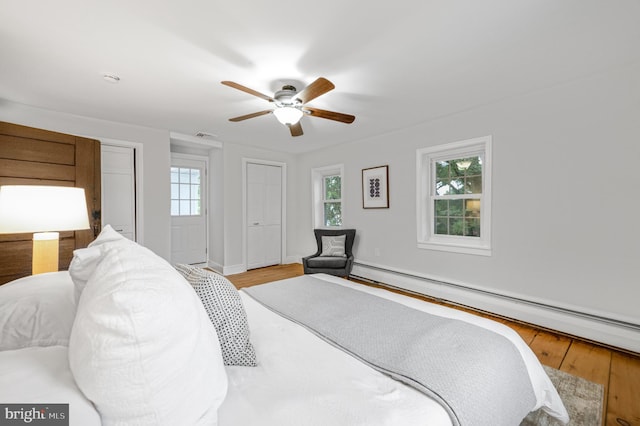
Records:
x=30, y=156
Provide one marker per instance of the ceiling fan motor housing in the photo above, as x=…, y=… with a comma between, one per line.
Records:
x=286, y=97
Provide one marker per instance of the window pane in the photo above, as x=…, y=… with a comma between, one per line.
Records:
x=185, y=191
x=195, y=175
x=332, y=188
x=185, y=208
x=175, y=192
x=472, y=227
x=184, y=175
x=442, y=207
x=442, y=169
x=195, y=192
x=455, y=207
x=174, y=175
x=456, y=226
x=175, y=208
x=442, y=187
x=195, y=207
x=442, y=225
x=332, y=214
x=473, y=185
x=472, y=208
x=457, y=186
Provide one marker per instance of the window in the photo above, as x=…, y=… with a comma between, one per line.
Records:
x=332, y=200
x=454, y=197
x=185, y=191
x=327, y=196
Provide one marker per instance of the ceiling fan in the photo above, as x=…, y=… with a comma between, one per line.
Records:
x=290, y=105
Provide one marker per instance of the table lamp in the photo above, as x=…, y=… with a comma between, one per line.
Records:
x=43, y=210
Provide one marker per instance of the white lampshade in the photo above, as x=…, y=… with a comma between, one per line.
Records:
x=25, y=208
x=288, y=115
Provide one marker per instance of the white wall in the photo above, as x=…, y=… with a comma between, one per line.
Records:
x=565, y=203
x=156, y=161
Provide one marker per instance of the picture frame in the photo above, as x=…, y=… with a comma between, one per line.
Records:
x=375, y=187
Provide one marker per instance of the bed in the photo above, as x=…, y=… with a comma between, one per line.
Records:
x=123, y=338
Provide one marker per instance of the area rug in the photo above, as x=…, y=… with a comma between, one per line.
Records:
x=583, y=400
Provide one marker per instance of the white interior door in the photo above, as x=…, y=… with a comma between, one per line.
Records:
x=118, y=189
x=264, y=215
x=189, y=234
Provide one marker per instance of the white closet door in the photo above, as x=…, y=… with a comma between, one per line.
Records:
x=118, y=189
x=264, y=215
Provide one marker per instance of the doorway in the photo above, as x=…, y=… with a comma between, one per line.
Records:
x=189, y=209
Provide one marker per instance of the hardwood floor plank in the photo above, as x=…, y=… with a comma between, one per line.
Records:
x=588, y=361
x=623, y=404
x=550, y=348
x=526, y=332
x=265, y=275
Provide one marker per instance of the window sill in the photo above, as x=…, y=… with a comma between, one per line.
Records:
x=477, y=250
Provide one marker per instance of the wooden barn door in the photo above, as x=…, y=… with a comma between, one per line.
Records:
x=30, y=156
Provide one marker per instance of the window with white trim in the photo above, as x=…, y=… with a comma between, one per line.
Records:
x=327, y=196
x=454, y=197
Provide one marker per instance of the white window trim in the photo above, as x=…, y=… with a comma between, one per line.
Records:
x=425, y=175
x=317, y=191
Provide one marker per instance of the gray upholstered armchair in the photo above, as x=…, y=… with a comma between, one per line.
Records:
x=329, y=259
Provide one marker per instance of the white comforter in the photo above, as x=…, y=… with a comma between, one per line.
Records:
x=300, y=379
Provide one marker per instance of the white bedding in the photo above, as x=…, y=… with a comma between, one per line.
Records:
x=299, y=380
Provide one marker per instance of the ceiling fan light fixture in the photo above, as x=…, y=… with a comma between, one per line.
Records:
x=288, y=115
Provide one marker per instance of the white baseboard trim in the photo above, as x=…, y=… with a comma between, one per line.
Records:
x=292, y=259
x=215, y=266
x=601, y=327
x=233, y=269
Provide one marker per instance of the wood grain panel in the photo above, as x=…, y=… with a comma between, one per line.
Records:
x=87, y=161
x=29, y=155
x=28, y=181
x=12, y=129
x=16, y=258
x=15, y=148
x=27, y=169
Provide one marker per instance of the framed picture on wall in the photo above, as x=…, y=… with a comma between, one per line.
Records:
x=375, y=188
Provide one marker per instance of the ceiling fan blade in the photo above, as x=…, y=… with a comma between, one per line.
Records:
x=296, y=129
x=247, y=90
x=315, y=89
x=252, y=115
x=330, y=115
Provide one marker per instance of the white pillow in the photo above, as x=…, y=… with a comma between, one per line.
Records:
x=333, y=246
x=37, y=310
x=85, y=260
x=142, y=348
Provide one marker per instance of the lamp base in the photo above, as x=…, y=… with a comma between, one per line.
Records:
x=45, y=252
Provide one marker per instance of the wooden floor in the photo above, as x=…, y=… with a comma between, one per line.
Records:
x=617, y=371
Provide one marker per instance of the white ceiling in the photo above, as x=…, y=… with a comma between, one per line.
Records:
x=394, y=65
